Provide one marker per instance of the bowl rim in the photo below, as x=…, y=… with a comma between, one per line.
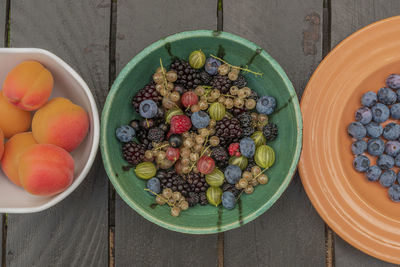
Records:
x=127, y=69
x=95, y=128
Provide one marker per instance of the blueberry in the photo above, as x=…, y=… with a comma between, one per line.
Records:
x=154, y=185
x=385, y=162
x=394, y=193
x=356, y=130
x=391, y=131
x=380, y=113
x=361, y=163
x=266, y=105
x=228, y=200
x=358, y=147
x=375, y=147
x=200, y=119
x=232, y=174
x=364, y=115
x=398, y=95
x=387, y=178
x=247, y=147
x=392, y=148
x=373, y=173
x=393, y=81
x=374, y=129
x=397, y=160
x=211, y=66
x=125, y=133
x=387, y=96
x=395, y=111
x=369, y=99
x=148, y=109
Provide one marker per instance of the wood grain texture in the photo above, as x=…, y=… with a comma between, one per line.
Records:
x=348, y=17
x=137, y=241
x=74, y=232
x=291, y=233
x=3, y=12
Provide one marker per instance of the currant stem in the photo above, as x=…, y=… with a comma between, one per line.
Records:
x=166, y=200
x=237, y=67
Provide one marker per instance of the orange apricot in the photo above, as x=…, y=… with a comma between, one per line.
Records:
x=13, y=149
x=60, y=122
x=28, y=85
x=1, y=144
x=46, y=169
x=12, y=119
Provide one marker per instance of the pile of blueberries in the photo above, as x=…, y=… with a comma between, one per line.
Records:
x=377, y=136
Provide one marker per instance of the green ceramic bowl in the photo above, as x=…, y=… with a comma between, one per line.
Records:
x=237, y=51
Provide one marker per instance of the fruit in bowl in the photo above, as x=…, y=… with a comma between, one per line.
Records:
x=49, y=142
x=203, y=106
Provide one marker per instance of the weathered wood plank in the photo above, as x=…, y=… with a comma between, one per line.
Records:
x=290, y=233
x=74, y=232
x=3, y=12
x=348, y=17
x=139, y=23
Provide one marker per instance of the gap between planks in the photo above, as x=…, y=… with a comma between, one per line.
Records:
x=111, y=190
x=326, y=48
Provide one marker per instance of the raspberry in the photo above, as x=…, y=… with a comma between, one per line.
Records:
x=234, y=149
x=180, y=124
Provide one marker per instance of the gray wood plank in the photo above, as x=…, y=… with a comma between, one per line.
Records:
x=139, y=23
x=291, y=233
x=74, y=232
x=348, y=17
x=3, y=12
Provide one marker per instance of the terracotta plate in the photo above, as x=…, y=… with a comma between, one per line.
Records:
x=357, y=210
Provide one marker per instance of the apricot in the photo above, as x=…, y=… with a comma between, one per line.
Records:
x=45, y=169
x=60, y=122
x=1, y=144
x=12, y=119
x=13, y=149
x=28, y=85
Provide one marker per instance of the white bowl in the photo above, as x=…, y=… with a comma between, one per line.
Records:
x=68, y=84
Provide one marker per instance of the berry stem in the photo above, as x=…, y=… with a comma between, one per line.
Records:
x=159, y=147
x=237, y=67
x=260, y=173
x=166, y=200
x=164, y=75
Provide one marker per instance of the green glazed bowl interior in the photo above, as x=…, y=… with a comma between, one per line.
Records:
x=237, y=51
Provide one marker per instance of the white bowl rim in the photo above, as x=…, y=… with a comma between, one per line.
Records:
x=96, y=130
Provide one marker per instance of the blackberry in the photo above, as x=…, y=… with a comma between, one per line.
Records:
x=248, y=131
x=270, y=131
x=231, y=188
x=228, y=131
x=147, y=92
x=240, y=82
x=156, y=134
x=251, y=163
x=170, y=179
x=205, y=77
x=187, y=76
x=245, y=119
x=197, y=182
x=203, y=199
x=222, y=83
x=142, y=137
x=133, y=152
x=221, y=156
x=193, y=199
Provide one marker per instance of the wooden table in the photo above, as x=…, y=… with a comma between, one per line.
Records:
x=93, y=226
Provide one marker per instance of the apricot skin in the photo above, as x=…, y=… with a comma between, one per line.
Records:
x=1, y=144
x=46, y=170
x=12, y=119
x=28, y=86
x=60, y=122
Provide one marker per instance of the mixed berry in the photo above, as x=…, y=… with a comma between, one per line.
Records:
x=377, y=133
x=202, y=137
